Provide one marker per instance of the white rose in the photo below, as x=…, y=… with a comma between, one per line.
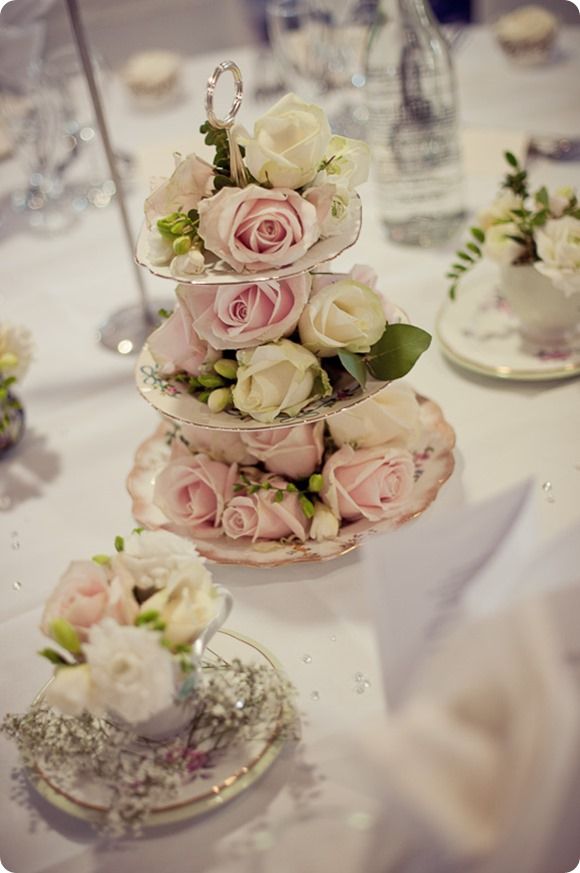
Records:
x=560, y=200
x=186, y=606
x=189, y=264
x=390, y=417
x=71, y=691
x=278, y=377
x=501, y=209
x=16, y=350
x=288, y=145
x=160, y=249
x=149, y=558
x=325, y=524
x=132, y=673
x=558, y=244
x=347, y=162
x=337, y=209
x=499, y=245
x=343, y=315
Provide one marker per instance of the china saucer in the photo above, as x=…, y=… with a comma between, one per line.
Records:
x=479, y=332
x=434, y=463
x=235, y=770
x=219, y=272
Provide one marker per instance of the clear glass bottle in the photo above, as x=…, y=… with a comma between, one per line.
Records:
x=413, y=124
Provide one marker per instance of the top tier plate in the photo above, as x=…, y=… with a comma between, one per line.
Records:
x=220, y=273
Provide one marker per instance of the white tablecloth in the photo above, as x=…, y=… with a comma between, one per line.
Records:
x=85, y=419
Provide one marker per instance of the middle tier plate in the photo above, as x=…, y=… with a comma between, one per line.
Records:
x=173, y=401
x=434, y=463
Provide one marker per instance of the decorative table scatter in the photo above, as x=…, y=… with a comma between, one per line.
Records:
x=143, y=721
x=16, y=350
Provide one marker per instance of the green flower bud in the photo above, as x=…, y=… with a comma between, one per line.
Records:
x=315, y=483
x=181, y=245
x=227, y=368
x=65, y=635
x=181, y=226
x=220, y=399
x=210, y=380
x=203, y=396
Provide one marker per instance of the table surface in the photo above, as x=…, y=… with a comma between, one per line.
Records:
x=66, y=483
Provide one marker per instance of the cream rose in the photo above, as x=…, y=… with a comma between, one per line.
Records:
x=501, y=209
x=390, y=417
x=368, y=483
x=288, y=144
x=191, y=180
x=337, y=209
x=256, y=228
x=280, y=377
x=343, y=315
x=499, y=244
x=186, y=605
x=560, y=200
x=558, y=244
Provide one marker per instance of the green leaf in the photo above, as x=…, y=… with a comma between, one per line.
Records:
x=101, y=559
x=119, y=544
x=54, y=657
x=146, y=617
x=478, y=234
x=65, y=635
x=164, y=313
x=354, y=365
x=511, y=159
x=473, y=248
x=452, y=292
x=397, y=351
x=461, y=267
x=220, y=182
x=542, y=197
x=465, y=257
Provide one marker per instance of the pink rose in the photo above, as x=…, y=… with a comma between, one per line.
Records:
x=192, y=492
x=369, y=483
x=259, y=516
x=294, y=452
x=85, y=595
x=191, y=180
x=256, y=228
x=176, y=346
x=224, y=445
x=241, y=316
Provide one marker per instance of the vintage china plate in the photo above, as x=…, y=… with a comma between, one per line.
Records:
x=434, y=463
x=218, y=272
x=236, y=771
x=173, y=401
x=479, y=332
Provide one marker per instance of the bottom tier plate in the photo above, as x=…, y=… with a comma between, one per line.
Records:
x=434, y=463
x=236, y=770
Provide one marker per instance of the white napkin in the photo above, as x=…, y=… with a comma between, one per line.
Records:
x=479, y=767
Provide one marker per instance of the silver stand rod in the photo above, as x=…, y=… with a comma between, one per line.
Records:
x=87, y=64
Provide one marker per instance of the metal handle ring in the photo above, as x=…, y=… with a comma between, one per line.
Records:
x=237, y=101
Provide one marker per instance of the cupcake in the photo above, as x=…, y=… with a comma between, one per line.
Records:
x=527, y=35
x=153, y=77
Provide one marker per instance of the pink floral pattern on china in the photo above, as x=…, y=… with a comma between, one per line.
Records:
x=434, y=464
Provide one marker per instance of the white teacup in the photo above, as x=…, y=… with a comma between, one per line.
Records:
x=546, y=314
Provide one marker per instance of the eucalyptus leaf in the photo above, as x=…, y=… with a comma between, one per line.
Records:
x=400, y=346
x=354, y=365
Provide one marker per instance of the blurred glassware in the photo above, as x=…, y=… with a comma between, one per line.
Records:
x=31, y=109
x=82, y=166
x=319, y=45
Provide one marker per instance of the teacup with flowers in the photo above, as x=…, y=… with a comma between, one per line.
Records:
x=16, y=349
x=535, y=240
x=131, y=629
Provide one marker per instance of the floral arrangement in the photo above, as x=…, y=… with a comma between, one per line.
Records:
x=293, y=483
x=16, y=350
x=271, y=349
x=127, y=626
x=540, y=228
x=288, y=185
x=241, y=704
